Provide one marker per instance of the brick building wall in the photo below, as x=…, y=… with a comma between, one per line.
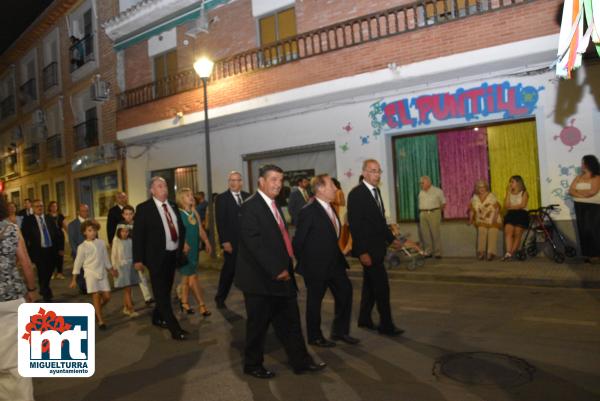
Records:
x=495, y=28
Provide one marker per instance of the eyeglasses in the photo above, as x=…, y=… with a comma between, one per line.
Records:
x=374, y=171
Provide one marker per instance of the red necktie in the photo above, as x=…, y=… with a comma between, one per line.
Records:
x=172, y=229
x=333, y=220
x=284, y=233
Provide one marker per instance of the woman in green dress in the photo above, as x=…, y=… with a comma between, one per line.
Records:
x=193, y=233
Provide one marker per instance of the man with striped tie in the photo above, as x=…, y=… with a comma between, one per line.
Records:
x=265, y=274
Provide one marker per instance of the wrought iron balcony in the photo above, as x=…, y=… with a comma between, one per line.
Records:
x=50, y=75
x=82, y=52
x=7, y=107
x=28, y=91
x=31, y=157
x=349, y=33
x=86, y=134
x=54, y=149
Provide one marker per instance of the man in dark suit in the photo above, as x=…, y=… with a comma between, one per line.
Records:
x=76, y=238
x=27, y=209
x=39, y=236
x=158, y=243
x=227, y=211
x=322, y=264
x=370, y=239
x=264, y=274
x=114, y=215
x=298, y=198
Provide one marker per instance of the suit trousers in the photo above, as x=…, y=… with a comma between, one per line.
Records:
x=341, y=289
x=227, y=274
x=58, y=262
x=283, y=313
x=44, y=264
x=376, y=290
x=429, y=223
x=162, y=278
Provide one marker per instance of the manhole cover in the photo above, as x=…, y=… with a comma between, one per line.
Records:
x=484, y=368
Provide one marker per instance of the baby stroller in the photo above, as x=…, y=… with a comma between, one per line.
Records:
x=409, y=253
x=541, y=226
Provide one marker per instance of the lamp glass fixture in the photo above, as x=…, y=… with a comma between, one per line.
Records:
x=203, y=67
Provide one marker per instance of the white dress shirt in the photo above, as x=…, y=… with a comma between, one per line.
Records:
x=330, y=213
x=269, y=201
x=41, y=219
x=170, y=244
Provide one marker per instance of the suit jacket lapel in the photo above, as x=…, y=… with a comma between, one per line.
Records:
x=373, y=201
x=324, y=214
x=157, y=216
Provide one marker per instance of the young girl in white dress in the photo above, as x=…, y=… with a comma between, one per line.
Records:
x=122, y=260
x=92, y=256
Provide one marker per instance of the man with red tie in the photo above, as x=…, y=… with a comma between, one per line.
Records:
x=159, y=244
x=322, y=264
x=265, y=275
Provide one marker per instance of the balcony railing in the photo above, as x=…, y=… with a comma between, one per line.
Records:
x=86, y=134
x=82, y=52
x=8, y=165
x=7, y=107
x=31, y=156
x=50, y=75
x=353, y=32
x=54, y=149
x=28, y=91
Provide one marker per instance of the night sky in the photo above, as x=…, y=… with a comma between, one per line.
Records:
x=16, y=16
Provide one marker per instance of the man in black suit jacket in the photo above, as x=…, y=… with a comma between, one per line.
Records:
x=322, y=264
x=114, y=215
x=39, y=237
x=370, y=239
x=298, y=198
x=227, y=210
x=158, y=243
x=264, y=274
x=27, y=209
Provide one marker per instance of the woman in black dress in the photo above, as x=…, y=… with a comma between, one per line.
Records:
x=58, y=244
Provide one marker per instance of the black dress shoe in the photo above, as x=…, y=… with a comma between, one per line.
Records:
x=160, y=323
x=345, y=338
x=369, y=326
x=393, y=332
x=311, y=367
x=259, y=372
x=179, y=336
x=220, y=303
x=322, y=342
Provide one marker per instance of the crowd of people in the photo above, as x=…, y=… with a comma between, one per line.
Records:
x=149, y=243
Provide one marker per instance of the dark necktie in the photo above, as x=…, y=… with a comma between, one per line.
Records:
x=172, y=229
x=47, y=240
x=238, y=199
x=378, y=199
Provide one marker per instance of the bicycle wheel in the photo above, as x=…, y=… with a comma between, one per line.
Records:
x=559, y=257
x=570, y=251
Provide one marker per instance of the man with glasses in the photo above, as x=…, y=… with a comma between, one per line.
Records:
x=39, y=236
x=227, y=207
x=371, y=237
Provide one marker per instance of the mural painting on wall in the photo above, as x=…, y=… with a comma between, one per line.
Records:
x=570, y=135
x=511, y=101
x=347, y=127
x=566, y=174
x=344, y=147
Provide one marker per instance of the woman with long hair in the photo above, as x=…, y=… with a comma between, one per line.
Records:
x=14, y=290
x=516, y=219
x=193, y=233
x=585, y=190
x=13, y=217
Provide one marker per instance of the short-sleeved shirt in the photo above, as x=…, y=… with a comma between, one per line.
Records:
x=433, y=198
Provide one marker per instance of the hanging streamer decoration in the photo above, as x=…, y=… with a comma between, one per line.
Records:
x=572, y=41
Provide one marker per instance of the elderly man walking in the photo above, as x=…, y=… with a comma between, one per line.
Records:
x=431, y=206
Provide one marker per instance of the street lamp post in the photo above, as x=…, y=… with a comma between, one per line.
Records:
x=203, y=67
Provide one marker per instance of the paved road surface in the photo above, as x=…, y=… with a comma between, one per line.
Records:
x=521, y=343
